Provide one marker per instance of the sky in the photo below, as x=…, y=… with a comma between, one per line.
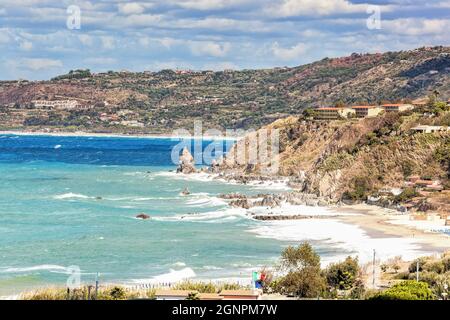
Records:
x=40, y=38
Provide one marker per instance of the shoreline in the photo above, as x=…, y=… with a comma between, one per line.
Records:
x=379, y=222
x=115, y=135
x=373, y=220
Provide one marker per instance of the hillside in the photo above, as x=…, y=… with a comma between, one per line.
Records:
x=352, y=159
x=154, y=102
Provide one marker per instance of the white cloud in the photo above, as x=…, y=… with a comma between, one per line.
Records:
x=100, y=61
x=108, y=42
x=289, y=54
x=209, y=4
x=85, y=39
x=209, y=48
x=140, y=20
x=26, y=45
x=4, y=37
x=289, y=8
x=416, y=27
x=131, y=8
x=220, y=66
x=39, y=64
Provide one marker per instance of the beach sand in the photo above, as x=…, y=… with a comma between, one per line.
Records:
x=378, y=222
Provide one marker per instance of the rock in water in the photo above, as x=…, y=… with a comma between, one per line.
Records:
x=143, y=216
x=185, y=192
x=186, y=164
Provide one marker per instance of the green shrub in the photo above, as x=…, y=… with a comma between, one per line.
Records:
x=435, y=266
x=114, y=293
x=193, y=296
x=446, y=263
x=360, y=190
x=406, y=290
x=407, y=193
x=413, y=266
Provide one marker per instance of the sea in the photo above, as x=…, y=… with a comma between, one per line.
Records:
x=69, y=204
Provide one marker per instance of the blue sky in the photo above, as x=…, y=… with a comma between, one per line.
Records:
x=36, y=43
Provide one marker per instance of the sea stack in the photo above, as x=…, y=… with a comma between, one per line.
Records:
x=185, y=192
x=186, y=164
x=143, y=216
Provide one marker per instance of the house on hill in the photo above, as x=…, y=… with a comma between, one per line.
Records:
x=334, y=113
x=397, y=107
x=367, y=111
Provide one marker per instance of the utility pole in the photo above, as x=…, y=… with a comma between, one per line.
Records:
x=417, y=271
x=373, y=269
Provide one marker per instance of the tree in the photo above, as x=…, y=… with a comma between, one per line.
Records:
x=303, y=275
x=342, y=275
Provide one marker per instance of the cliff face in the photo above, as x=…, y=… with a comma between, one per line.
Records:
x=332, y=158
x=168, y=99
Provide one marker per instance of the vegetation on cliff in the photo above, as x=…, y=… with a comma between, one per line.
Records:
x=162, y=101
x=354, y=159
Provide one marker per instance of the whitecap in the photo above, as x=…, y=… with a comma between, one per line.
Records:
x=210, y=217
x=71, y=195
x=179, y=264
x=211, y=268
x=43, y=267
x=170, y=277
x=57, y=146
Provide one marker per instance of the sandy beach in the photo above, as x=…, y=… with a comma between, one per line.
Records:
x=379, y=222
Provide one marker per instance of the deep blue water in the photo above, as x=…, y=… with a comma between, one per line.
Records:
x=73, y=200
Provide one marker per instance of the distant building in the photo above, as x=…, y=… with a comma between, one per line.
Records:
x=367, y=111
x=429, y=129
x=58, y=104
x=132, y=123
x=421, y=102
x=334, y=113
x=397, y=107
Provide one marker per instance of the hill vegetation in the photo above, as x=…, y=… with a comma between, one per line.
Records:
x=127, y=102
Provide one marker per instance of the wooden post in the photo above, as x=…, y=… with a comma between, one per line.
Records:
x=96, y=286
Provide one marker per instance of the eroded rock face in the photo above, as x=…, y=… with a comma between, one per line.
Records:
x=186, y=163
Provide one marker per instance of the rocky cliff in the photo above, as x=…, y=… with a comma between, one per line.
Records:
x=351, y=158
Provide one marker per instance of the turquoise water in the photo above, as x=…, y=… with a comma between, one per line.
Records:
x=68, y=201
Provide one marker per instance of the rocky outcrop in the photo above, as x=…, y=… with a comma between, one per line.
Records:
x=271, y=200
x=241, y=203
x=185, y=192
x=232, y=196
x=186, y=163
x=143, y=216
